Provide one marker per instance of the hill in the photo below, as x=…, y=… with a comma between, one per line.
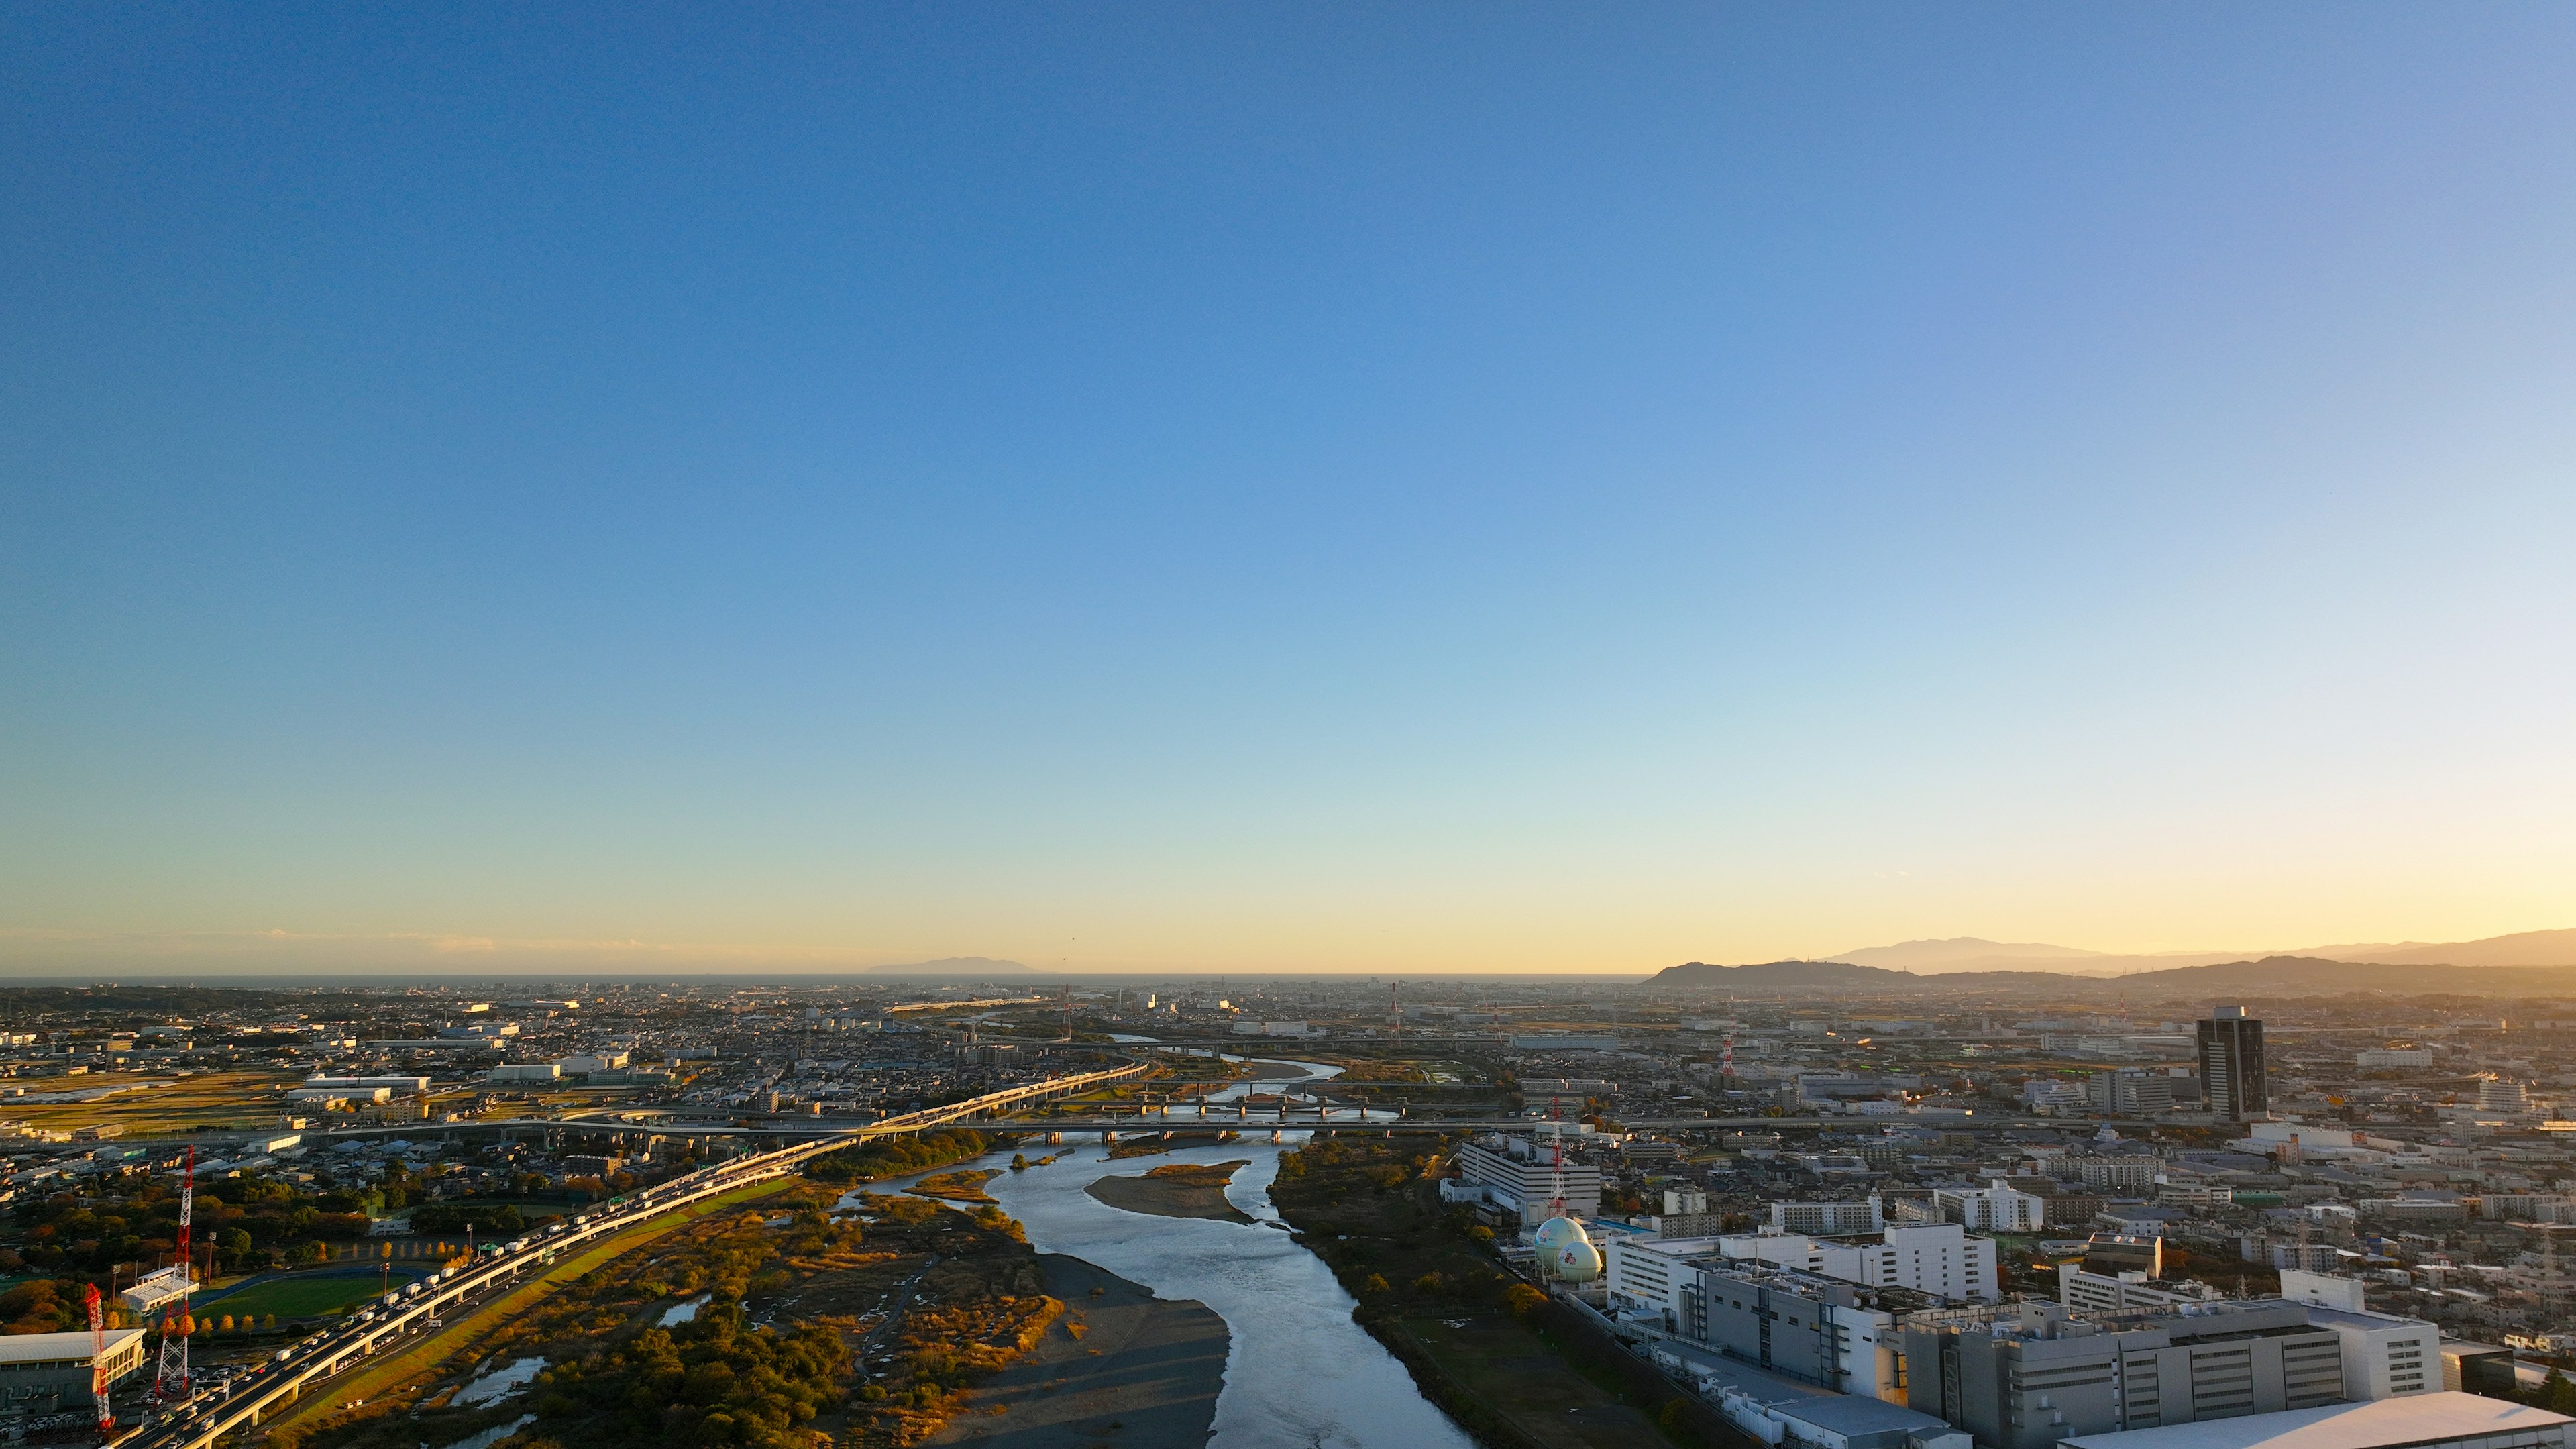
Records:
x=957, y=966
x=1972, y=953
x=2523, y=948
x=2270, y=976
x=1976, y=954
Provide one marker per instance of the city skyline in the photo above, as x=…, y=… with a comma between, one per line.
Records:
x=1204, y=490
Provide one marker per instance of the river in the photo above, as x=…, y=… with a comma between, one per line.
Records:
x=1299, y=1374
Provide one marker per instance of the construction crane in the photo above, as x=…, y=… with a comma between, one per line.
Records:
x=171, y=1381
x=98, y=1359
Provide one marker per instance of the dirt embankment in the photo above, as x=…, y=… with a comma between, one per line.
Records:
x=1176, y=1190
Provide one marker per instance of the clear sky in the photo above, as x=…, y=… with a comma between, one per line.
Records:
x=1433, y=487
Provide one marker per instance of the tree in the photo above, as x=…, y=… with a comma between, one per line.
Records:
x=2558, y=1393
x=1523, y=1300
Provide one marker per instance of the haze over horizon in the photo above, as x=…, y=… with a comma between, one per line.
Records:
x=1262, y=489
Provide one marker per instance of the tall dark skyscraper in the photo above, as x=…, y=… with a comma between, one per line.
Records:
x=2231, y=1064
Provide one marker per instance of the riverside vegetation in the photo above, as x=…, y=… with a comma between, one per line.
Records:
x=1498, y=1355
x=746, y=1328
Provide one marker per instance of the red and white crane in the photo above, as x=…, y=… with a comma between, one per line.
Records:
x=98, y=1359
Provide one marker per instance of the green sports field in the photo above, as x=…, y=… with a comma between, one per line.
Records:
x=300, y=1295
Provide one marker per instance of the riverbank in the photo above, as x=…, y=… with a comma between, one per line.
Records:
x=1176, y=1190
x=1517, y=1372
x=1121, y=1366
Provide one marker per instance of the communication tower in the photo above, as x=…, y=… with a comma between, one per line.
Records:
x=171, y=1381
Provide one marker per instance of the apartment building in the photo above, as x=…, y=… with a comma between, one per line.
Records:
x=1527, y=1179
x=1827, y=1219
x=1996, y=1208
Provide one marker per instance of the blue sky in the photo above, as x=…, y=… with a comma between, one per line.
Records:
x=1280, y=487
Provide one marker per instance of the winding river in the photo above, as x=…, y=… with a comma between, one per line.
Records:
x=1299, y=1374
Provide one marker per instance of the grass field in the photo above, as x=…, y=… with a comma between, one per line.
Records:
x=463, y=1334
x=303, y=1295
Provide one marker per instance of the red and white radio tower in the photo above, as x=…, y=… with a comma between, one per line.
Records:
x=172, y=1380
x=98, y=1359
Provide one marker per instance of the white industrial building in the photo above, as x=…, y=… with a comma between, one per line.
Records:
x=56, y=1366
x=1939, y=1260
x=2433, y=1421
x=1816, y=1330
x=401, y=1086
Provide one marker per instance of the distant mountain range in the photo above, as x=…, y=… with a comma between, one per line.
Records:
x=957, y=966
x=1973, y=954
x=2270, y=976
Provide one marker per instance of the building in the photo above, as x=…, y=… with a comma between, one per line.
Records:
x=583, y=1066
x=400, y=1085
x=2321, y=1290
x=1997, y=1208
x=36, y=1368
x=2500, y=1094
x=2131, y=1092
x=1800, y=1325
x=2435, y=1421
x=2384, y=1356
x=1815, y=1330
x=1525, y=1179
x=2231, y=1065
x=2032, y=1382
x=154, y=1291
x=2518, y=1207
x=1940, y=1261
x=2047, y=1092
x=2478, y=1368
x=2084, y=1291
x=1775, y=1410
x=2117, y=1174
x=1829, y=1218
x=526, y=1072
x=309, y=1095
x=2382, y=1058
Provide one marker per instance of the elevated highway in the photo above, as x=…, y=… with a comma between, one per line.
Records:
x=312, y=1362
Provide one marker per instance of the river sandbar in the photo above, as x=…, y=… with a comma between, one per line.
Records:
x=1176, y=1190
x=1145, y=1372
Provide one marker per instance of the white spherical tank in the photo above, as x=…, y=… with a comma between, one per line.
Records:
x=1565, y=1251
